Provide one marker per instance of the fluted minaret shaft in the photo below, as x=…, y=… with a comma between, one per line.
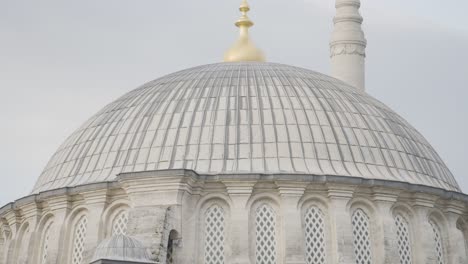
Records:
x=348, y=44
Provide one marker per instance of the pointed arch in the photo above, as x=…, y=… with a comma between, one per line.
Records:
x=119, y=223
x=405, y=249
x=266, y=245
x=438, y=240
x=115, y=218
x=22, y=244
x=170, y=253
x=5, y=232
x=314, y=231
x=45, y=242
x=214, y=235
x=79, y=239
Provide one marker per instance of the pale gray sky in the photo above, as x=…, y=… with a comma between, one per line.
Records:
x=61, y=61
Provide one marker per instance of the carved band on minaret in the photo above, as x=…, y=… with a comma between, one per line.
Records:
x=348, y=44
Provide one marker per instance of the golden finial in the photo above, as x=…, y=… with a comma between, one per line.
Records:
x=244, y=49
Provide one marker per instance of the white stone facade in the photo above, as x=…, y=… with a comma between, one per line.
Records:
x=251, y=218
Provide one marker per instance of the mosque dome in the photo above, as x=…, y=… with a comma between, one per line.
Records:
x=122, y=248
x=242, y=118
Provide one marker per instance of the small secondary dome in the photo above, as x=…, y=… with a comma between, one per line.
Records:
x=122, y=248
x=241, y=118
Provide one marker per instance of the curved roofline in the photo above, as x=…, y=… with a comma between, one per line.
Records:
x=246, y=117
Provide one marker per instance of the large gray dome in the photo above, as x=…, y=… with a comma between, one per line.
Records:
x=232, y=118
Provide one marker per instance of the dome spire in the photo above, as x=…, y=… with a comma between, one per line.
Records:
x=244, y=49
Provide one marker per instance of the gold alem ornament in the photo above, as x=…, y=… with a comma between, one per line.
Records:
x=244, y=49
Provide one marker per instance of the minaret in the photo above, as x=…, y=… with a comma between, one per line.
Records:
x=244, y=49
x=348, y=44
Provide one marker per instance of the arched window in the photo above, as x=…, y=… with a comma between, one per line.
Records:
x=462, y=226
x=4, y=244
x=314, y=236
x=45, y=244
x=24, y=244
x=439, y=246
x=362, y=237
x=214, y=235
x=404, y=239
x=119, y=223
x=173, y=235
x=265, y=235
x=79, y=237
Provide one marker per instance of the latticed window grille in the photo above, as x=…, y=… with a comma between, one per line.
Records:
x=314, y=236
x=439, y=247
x=404, y=240
x=170, y=251
x=362, y=237
x=214, y=235
x=265, y=235
x=119, y=224
x=79, y=240
x=45, y=244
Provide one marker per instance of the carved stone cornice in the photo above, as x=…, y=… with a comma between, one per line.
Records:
x=424, y=200
x=29, y=210
x=58, y=203
x=337, y=191
x=291, y=188
x=95, y=196
x=239, y=187
x=455, y=207
x=384, y=195
x=13, y=220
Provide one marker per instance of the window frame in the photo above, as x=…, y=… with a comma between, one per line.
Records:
x=406, y=217
x=278, y=231
x=204, y=205
x=45, y=227
x=72, y=232
x=325, y=234
x=370, y=231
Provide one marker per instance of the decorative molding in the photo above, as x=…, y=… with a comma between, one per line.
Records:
x=291, y=188
x=347, y=49
x=424, y=200
x=336, y=191
x=58, y=203
x=6, y=230
x=385, y=195
x=239, y=188
x=244, y=183
x=455, y=207
x=157, y=204
x=95, y=196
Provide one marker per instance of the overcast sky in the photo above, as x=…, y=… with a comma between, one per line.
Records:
x=61, y=61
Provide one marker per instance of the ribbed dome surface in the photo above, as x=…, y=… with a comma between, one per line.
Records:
x=122, y=248
x=246, y=118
